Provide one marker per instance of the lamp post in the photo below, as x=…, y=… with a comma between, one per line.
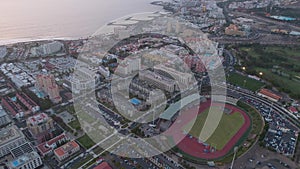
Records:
x=235, y=151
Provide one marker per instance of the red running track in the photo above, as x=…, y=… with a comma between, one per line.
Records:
x=191, y=146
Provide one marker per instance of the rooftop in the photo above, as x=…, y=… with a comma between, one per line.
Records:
x=23, y=159
x=9, y=133
x=66, y=148
x=269, y=93
x=103, y=165
x=21, y=150
x=37, y=119
x=46, y=147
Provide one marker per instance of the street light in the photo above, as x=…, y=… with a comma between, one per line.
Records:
x=261, y=73
x=235, y=151
x=244, y=68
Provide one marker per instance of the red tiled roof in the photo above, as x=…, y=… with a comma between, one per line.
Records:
x=65, y=148
x=103, y=165
x=59, y=151
x=293, y=109
x=42, y=147
x=56, y=139
x=269, y=93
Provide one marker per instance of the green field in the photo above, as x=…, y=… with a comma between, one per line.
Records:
x=279, y=64
x=86, y=141
x=244, y=82
x=227, y=128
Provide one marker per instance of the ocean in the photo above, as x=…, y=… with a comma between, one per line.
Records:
x=25, y=20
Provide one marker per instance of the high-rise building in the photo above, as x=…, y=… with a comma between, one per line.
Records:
x=47, y=84
x=129, y=65
x=40, y=124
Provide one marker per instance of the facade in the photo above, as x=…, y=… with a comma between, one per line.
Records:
x=27, y=161
x=66, y=150
x=10, y=138
x=40, y=124
x=128, y=66
x=47, y=49
x=47, y=84
x=183, y=78
x=82, y=79
x=157, y=80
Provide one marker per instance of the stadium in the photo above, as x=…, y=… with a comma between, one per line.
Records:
x=231, y=131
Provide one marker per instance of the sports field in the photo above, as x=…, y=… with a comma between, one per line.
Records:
x=245, y=82
x=227, y=128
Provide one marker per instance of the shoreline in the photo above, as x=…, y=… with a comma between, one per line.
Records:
x=28, y=40
x=6, y=42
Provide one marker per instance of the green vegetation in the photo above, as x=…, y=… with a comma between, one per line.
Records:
x=244, y=81
x=257, y=127
x=227, y=128
x=279, y=64
x=75, y=124
x=86, y=141
x=86, y=117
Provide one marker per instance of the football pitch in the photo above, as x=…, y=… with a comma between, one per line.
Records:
x=229, y=125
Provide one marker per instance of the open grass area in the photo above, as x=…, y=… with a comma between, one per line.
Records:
x=227, y=128
x=244, y=81
x=86, y=141
x=284, y=84
x=280, y=65
x=75, y=124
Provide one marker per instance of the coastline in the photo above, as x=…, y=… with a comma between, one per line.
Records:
x=25, y=40
x=6, y=42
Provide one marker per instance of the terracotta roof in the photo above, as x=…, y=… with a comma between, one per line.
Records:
x=59, y=152
x=42, y=147
x=293, y=109
x=66, y=148
x=269, y=93
x=56, y=139
x=103, y=165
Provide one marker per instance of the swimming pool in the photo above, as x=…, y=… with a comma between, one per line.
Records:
x=135, y=101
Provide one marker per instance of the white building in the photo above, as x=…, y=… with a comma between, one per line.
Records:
x=27, y=161
x=128, y=66
x=48, y=48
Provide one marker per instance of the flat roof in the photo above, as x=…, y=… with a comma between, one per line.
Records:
x=174, y=108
